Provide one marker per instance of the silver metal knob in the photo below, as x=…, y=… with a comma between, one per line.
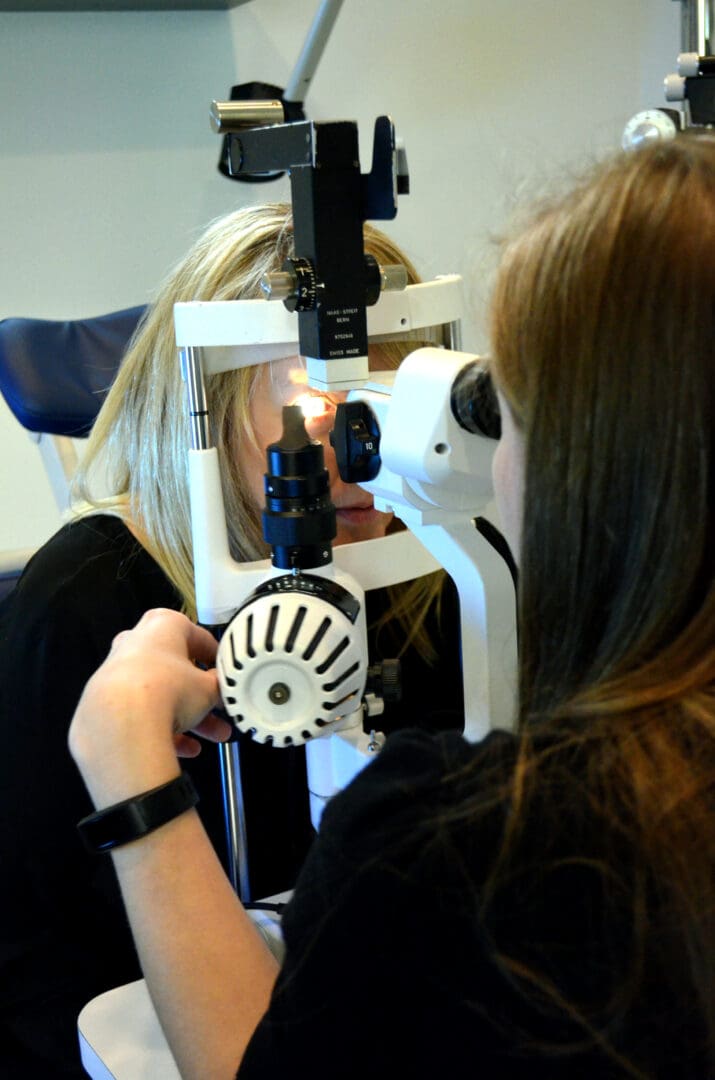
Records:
x=279, y=285
x=228, y=116
x=674, y=88
x=393, y=278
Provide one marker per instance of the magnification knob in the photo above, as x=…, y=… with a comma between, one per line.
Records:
x=295, y=285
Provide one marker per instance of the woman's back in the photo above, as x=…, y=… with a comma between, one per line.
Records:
x=489, y=911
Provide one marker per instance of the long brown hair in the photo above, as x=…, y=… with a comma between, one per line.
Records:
x=603, y=334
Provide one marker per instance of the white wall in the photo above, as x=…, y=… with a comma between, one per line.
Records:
x=108, y=165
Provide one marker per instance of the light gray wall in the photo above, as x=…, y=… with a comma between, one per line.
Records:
x=109, y=165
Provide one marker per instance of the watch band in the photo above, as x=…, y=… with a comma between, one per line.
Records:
x=134, y=818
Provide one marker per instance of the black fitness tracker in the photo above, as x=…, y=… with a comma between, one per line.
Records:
x=134, y=818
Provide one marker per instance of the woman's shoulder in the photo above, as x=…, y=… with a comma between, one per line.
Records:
x=91, y=580
x=85, y=564
x=95, y=536
x=436, y=765
x=421, y=787
x=433, y=802
x=85, y=547
x=413, y=758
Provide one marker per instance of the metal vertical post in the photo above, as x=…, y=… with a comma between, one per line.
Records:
x=697, y=26
x=229, y=753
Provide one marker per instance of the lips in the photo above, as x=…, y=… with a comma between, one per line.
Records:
x=368, y=505
x=356, y=514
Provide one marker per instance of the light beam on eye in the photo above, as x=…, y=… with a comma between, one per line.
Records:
x=312, y=405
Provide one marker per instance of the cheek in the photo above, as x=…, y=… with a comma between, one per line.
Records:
x=267, y=427
x=253, y=467
x=508, y=484
x=498, y=470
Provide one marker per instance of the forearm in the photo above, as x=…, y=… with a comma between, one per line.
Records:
x=208, y=970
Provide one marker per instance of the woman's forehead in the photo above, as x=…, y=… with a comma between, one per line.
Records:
x=286, y=372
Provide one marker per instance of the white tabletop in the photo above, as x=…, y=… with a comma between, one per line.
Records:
x=120, y=1037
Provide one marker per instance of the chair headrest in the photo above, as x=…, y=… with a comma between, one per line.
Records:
x=54, y=375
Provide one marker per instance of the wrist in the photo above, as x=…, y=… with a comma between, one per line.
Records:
x=119, y=753
x=134, y=818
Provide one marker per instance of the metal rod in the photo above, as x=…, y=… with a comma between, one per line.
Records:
x=454, y=332
x=297, y=86
x=705, y=12
x=696, y=26
x=229, y=756
x=192, y=371
x=235, y=819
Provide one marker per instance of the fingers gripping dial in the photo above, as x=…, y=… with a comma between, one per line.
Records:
x=293, y=660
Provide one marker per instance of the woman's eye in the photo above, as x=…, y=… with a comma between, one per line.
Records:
x=312, y=405
x=319, y=412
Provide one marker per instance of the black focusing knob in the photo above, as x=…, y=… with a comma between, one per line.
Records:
x=385, y=680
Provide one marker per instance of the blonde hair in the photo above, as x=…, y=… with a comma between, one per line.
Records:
x=140, y=439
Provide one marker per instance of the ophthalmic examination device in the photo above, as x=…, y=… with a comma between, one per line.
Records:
x=292, y=661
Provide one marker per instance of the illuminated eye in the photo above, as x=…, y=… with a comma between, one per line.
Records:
x=314, y=406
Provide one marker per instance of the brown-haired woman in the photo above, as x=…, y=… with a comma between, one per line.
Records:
x=541, y=904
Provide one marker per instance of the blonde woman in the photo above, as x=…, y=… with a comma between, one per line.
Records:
x=128, y=551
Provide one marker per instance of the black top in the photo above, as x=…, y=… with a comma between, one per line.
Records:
x=64, y=936
x=404, y=960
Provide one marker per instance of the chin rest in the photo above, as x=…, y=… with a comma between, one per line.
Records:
x=54, y=375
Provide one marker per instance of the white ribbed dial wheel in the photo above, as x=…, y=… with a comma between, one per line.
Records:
x=288, y=666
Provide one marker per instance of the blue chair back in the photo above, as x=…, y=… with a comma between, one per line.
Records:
x=54, y=375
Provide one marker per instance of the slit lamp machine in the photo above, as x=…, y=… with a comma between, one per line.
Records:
x=292, y=659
